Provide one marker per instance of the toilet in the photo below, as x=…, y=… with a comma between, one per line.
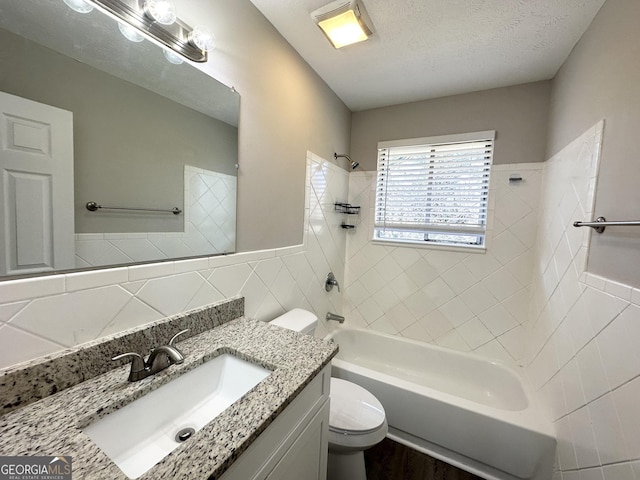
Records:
x=356, y=420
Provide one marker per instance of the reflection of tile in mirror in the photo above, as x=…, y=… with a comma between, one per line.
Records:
x=211, y=206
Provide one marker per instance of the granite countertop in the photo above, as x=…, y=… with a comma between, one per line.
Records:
x=53, y=425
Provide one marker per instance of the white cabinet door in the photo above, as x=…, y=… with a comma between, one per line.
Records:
x=307, y=457
x=36, y=188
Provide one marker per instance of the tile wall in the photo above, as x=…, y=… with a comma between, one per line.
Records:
x=47, y=314
x=466, y=301
x=582, y=353
x=206, y=229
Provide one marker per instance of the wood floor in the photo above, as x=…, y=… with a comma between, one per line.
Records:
x=392, y=461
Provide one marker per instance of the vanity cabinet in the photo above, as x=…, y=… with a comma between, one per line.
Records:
x=295, y=445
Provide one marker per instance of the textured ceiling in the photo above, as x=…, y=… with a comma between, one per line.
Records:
x=432, y=48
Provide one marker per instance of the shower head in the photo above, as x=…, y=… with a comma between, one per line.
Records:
x=354, y=164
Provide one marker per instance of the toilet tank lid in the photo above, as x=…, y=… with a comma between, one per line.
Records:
x=298, y=319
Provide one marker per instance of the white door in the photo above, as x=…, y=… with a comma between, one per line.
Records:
x=36, y=189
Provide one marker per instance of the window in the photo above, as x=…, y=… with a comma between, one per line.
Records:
x=434, y=191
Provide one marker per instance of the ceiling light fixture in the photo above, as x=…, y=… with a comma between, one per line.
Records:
x=157, y=21
x=344, y=22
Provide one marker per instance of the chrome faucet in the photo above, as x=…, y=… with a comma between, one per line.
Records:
x=334, y=316
x=159, y=359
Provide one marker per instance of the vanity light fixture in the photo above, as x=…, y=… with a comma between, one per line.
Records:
x=157, y=21
x=343, y=22
x=130, y=33
x=162, y=11
x=79, y=6
x=172, y=57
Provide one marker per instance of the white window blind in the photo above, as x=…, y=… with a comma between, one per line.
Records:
x=434, y=190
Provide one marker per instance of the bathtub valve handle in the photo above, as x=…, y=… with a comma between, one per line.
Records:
x=331, y=282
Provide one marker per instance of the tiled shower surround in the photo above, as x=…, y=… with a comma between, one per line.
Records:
x=465, y=301
x=582, y=352
x=572, y=331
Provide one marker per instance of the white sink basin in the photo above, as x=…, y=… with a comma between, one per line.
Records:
x=142, y=433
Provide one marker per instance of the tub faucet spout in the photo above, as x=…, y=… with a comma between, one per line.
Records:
x=333, y=316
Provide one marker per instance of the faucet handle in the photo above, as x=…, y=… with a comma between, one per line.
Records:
x=173, y=339
x=331, y=282
x=138, y=366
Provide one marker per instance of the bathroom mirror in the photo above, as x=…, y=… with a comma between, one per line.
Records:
x=146, y=134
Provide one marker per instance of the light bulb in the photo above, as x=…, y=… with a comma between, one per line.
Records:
x=172, y=57
x=79, y=6
x=202, y=38
x=130, y=33
x=162, y=11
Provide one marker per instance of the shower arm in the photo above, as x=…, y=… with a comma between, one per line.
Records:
x=353, y=163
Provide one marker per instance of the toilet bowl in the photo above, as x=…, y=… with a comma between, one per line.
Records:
x=356, y=420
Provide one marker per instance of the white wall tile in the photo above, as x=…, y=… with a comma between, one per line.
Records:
x=594, y=381
x=608, y=433
x=154, y=270
x=171, y=295
x=566, y=452
x=229, y=280
x=96, y=278
x=135, y=313
x=436, y=324
x=572, y=386
x=71, y=319
x=618, y=344
x=28, y=288
x=18, y=346
x=478, y=298
x=591, y=474
x=8, y=310
x=475, y=333
x=454, y=341
x=622, y=471
x=583, y=439
x=625, y=400
x=498, y=320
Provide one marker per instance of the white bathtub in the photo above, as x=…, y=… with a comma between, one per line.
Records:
x=458, y=407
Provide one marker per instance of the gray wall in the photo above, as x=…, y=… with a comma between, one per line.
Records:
x=130, y=144
x=518, y=114
x=286, y=109
x=601, y=80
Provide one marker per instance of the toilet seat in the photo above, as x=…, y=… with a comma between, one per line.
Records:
x=353, y=410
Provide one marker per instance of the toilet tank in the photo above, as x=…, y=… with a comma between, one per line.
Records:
x=298, y=320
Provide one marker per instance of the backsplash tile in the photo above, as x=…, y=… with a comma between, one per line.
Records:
x=64, y=311
x=40, y=377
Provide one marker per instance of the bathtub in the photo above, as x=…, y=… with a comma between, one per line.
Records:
x=465, y=410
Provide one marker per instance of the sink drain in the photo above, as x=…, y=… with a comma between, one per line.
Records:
x=184, y=434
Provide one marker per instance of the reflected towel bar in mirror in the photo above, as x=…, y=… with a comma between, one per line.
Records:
x=93, y=206
x=601, y=223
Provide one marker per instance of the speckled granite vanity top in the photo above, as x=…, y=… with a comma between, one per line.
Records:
x=52, y=425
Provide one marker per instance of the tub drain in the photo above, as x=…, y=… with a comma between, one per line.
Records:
x=184, y=434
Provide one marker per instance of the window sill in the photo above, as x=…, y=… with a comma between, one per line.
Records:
x=448, y=248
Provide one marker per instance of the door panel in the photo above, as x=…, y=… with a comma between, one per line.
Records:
x=36, y=165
